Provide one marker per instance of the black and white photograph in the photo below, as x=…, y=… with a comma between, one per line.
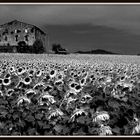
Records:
x=69, y=69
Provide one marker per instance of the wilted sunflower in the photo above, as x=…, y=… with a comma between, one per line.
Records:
x=55, y=113
x=9, y=92
x=46, y=98
x=100, y=116
x=23, y=99
x=39, y=84
x=30, y=92
x=78, y=112
x=105, y=130
x=136, y=128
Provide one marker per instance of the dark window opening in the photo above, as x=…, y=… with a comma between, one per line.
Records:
x=16, y=36
x=18, y=31
x=3, y=33
x=32, y=30
x=10, y=23
x=12, y=32
x=26, y=38
x=6, y=38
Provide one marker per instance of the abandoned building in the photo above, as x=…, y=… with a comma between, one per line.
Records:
x=16, y=36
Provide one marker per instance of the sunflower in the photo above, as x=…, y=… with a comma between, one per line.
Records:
x=29, y=93
x=39, y=85
x=82, y=81
x=38, y=73
x=6, y=81
x=52, y=73
x=105, y=130
x=27, y=80
x=31, y=72
x=20, y=70
x=78, y=88
x=10, y=92
x=12, y=69
x=55, y=113
x=23, y=99
x=78, y=112
x=8, y=75
x=100, y=116
x=46, y=97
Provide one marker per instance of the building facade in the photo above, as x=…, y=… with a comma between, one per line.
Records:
x=15, y=33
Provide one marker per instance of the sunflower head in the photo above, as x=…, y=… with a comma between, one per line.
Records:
x=27, y=80
x=6, y=81
x=20, y=70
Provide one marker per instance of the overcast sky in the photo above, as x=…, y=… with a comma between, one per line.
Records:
x=83, y=27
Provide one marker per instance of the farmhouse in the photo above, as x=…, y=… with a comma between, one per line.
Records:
x=16, y=36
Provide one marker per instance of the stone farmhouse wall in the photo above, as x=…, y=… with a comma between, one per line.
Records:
x=15, y=31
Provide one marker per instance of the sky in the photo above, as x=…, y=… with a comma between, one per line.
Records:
x=113, y=27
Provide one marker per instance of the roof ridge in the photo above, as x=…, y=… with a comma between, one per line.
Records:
x=15, y=20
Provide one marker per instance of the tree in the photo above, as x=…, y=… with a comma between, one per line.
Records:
x=55, y=48
x=38, y=46
x=58, y=49
x=22, y=47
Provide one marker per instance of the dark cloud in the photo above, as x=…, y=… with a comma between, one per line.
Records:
x=118, y=16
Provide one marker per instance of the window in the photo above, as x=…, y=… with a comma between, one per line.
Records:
x=6, y=38
x=32, y=30
x=12, y=32
x=26, y=38
x=16, y=37
x=3, y=33
x=18, y=31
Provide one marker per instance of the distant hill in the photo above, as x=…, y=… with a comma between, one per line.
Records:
x=98, y=51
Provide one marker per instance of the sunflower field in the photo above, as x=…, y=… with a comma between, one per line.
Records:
x=69, y=95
